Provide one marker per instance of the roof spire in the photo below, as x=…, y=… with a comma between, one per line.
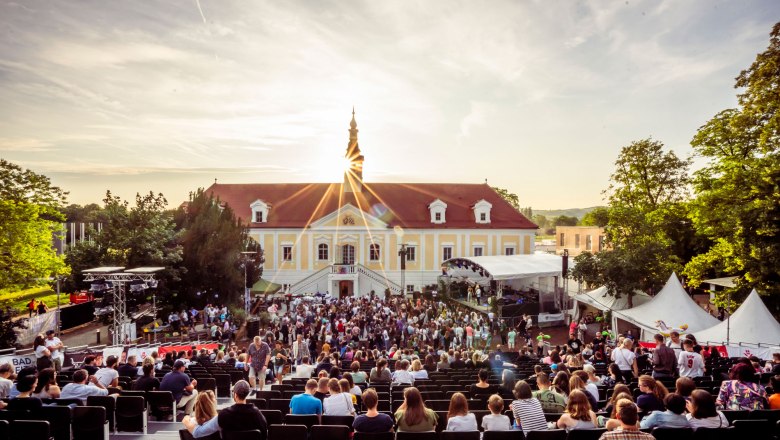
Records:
x=353, y=177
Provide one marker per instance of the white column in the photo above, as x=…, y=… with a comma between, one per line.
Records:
x=361, y=248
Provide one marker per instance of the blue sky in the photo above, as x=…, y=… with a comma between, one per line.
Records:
x=535, y=96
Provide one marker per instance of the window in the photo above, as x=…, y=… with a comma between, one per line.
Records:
x=562, y=241
x=259, y=211
x=477, y=251
x=482, y=211
x=438, y=210
x=577, y=241
x=286, y=287
x=348, y=254
x=588, y=242
x=482, y=217
x=437, y=216
x=287, y=253
x=447, y=253
x=411, y=253
x=410, y=288
x=258, y=217
x=602, y=239
x=509, y=251
x=322, y=252
x=373, y=252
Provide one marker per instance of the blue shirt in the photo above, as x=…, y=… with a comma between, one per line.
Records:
x=665, y=419
x=305, y=404
x=175, y=382
x=207, y=428
x=81, y=391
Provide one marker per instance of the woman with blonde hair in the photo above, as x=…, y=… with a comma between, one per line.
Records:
x=652, y=394
x=613, y=422
x=338, y=403
x=412, y=415
x=579, y=413
x=418, y=372
x=444, y=362
x=205, y=410
x=458, y=417
x=576, y=383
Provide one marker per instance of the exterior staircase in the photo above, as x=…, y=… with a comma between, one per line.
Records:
x=310, y=283
x=376, y=278
x=366, y=278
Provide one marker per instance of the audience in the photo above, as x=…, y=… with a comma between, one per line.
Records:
x=47, y=385
x=380, y=373
x=181, y=386
x=702, y=412
x=774, y=399
x=551, y=401
x=527, y=410
x=458, y=416
x=6, y=379
x=372, y=421
x=241, y=416
x=579, y=413
x=652, y=394
x=337, y=403
x=108, y=376
x=147, y=382
x=24, y=401
x=673, y=417
x=306, y=402
x=741, y=392
x=412, y=415
x=79, y=389
x=627, y=415
x=205, y=411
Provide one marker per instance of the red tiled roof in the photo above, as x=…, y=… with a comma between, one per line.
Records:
x=295, y=205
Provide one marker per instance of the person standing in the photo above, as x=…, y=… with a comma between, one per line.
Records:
x=511, y=339
x=259, y=356
x=280, y=357
x=690, y=363
x=664, y=359
x=300, y=349
x=625, y=359
x=674, y=343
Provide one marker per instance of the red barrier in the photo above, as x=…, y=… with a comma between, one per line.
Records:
x=177, y=348
x=721, y=348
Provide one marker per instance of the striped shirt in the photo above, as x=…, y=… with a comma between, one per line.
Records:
x=529, y=415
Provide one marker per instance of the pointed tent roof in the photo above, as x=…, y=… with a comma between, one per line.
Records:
x=600, y=299
x=673, y=306
x=751, y=323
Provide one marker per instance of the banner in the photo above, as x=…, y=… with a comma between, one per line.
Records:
x=721, y=349
x=74, y=358
x=19, y=361
x=764, y=353
x=114, y=351
x=141, y=353
x=177, y=348
x=36, y=325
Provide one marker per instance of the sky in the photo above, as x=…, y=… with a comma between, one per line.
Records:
x=535, y=96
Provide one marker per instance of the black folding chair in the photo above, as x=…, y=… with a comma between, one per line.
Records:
x=338, y=421
x=713, y=434
x=59, y=418
x=553, y=434
x=459, y=435
x=131, y=414
x=307, y=420
x=272, y=416
x=373, y=436
x=223, y=385
x=514, y=434
x=30, y=430
x=259, y=403
x=752, y=428
x=5, y=430
x=107, y=402
x=586, y=434
x=282, y=405
x=672, y=433
x=161, y=405
x=89, y=423
x=330, y=432
x=288, y=432
x=253, y=434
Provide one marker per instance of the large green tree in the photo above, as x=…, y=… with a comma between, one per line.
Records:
x=646, y=220
x=738, y=190
x=29, y=216
x=213, y=240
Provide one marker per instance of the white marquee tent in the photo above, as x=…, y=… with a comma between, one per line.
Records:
x=601, y=300
x=507, y=267
x=671, y=305
x=751, y=323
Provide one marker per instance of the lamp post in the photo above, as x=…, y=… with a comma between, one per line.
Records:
x=399, y=233
x=246, y=255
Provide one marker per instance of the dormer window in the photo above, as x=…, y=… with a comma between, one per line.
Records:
x=438, y=212
x=259, y=211
x=482, y=211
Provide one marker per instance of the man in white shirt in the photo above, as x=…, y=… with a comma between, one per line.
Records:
x=674, y=343
x=402, y=375
x=55, y=346
x=108, y=376
x=689, y=363
x=304, y=369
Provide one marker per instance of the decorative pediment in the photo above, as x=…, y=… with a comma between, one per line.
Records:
x=438, y=211
x=482, y=211
x=348, y=216
x=260, y=211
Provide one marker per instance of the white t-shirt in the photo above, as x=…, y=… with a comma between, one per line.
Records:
x=676, y=346
x=463, y=423
x=496, y=422
x=624, y=358
x=304, y=370
x=593, y=390
x=55, y=354
x=716, y=421
x=338, y=405
x=690, y=364
x=106, y=375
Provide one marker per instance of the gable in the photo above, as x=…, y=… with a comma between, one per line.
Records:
x=348, y=216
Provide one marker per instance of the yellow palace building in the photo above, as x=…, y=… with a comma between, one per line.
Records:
x=347, y=238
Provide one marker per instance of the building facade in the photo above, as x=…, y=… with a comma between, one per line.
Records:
x=346, y=238
x=579, y=239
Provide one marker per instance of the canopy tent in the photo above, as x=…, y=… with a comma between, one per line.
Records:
x=722, y=282
x=751, y=323
x=265, y=287
x=506, y=267
x=602, y=300
x=671, y=305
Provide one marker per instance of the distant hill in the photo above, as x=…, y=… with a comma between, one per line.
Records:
x=571, y=212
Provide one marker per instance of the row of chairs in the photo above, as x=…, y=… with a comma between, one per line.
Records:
x=55, y=423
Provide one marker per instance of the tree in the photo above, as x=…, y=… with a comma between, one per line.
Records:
x=510, y=197
x=8, y=327
x=29, y=216
x=208, y=230
x=563, y=220
x=597, y=217
x=737, y=192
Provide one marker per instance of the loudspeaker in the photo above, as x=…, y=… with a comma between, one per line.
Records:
x=252, y=328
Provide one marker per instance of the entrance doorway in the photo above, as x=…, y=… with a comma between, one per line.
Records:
x=345, y=289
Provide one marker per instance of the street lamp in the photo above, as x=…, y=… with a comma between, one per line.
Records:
x=399, y=233
x=246, y=255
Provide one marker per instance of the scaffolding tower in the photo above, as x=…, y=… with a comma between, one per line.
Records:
x=119, y=279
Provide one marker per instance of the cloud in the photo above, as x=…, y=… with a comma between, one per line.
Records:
x=25, y=145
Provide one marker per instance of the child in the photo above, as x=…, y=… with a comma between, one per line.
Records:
x=496, y=421
x=774, y=399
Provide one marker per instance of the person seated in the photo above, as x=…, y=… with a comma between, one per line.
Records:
x=304, y=369
x=79, y=389
x=47, y=385
x=496, y=420
x=774, y=399
x=147, y=382
x=613, y=422
x=673, y=417
x=322, y=388
x=130, y=368
x=579, y=414
x=181, y=386
x=652, y=394
x=418, y=372
x=576, y=383
x=306, y=403
x=402, y=375
x=458, y=417
x=372, y=421
x=380, y=373
x=444, y=362
x=551, y=401
x=741, y=392
x=205, y=411
x=457, y=362
x=482, y=386
x=412, y=415
x=108, y=376
x=24, y=401
x=527, y=410
x=684, y=386
x=627, y=416
x=357, y=376
x=337, y=403
x=703, y=413
x=241, y=416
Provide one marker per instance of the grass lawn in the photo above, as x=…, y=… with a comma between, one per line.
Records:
x=18, y=299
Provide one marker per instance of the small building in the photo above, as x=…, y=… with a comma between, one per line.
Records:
x=579, y=239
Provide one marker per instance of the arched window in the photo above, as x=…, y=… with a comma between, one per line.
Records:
x=322, y=252
x=348, y=254
x=373, y=252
